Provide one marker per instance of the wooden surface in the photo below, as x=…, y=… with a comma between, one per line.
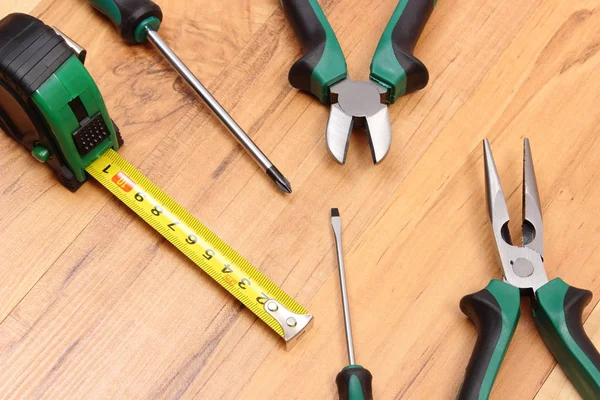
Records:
x=95, y=304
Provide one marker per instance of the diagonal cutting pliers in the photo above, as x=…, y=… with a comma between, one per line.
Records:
x=557, y=308
x=322, y=71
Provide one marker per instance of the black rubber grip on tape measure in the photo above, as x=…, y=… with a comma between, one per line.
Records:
x=30, y=52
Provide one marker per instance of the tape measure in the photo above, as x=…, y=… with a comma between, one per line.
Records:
x=199, y=244
x=50, y=104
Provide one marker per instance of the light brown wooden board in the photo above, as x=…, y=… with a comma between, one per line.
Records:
x=95, y=304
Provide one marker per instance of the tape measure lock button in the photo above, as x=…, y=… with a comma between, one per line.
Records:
x=40, y=153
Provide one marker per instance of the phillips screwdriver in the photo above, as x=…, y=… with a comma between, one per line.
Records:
x=138, y=20
x=354, y=382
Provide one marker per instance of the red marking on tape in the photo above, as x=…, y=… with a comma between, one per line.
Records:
x=123, y=181
x=230, y=279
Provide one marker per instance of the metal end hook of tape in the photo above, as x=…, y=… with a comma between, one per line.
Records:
x=294, y=325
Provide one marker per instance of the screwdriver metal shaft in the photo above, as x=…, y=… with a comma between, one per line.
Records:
x=354, y=382
x=259, y=157
x=336, y=223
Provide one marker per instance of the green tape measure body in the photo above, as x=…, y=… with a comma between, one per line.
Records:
x=72, y=82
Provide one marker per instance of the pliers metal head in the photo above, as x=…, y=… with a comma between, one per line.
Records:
x=363, y=103
x=395, y=71
x=522, y=267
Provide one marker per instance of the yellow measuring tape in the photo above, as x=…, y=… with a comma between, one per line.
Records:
x=265, y=299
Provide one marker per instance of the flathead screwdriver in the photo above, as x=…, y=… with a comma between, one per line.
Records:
x=353, y=382
x=138, y=20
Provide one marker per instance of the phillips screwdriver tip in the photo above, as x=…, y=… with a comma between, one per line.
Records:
x=280, y=180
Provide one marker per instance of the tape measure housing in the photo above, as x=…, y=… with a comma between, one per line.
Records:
x=47, y=96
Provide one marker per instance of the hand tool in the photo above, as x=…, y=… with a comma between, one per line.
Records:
x=354, y=382
x=556, y=307
x=138, y=20
x=50, y=104
x=395, y=71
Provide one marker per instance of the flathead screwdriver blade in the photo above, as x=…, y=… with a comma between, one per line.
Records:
x=353, y=382
x=336, y=224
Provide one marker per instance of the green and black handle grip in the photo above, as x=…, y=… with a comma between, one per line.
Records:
x=131, y=17
x=354, y=383
x=558, y=313
x=323, y=64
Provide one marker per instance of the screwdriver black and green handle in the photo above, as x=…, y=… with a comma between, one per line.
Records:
x=131, y=17
x=354, y=383
x=323, y=63
x=558, y=313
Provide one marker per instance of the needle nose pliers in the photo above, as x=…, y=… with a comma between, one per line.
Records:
x=395, y=71
x=557, y=307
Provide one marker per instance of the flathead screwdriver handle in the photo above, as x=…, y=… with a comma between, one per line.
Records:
x=131, y=17
x=354, y=383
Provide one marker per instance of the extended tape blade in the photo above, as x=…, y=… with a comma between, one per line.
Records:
x=265, y=299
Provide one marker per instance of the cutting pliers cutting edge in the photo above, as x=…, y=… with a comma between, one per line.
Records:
x=557, y=307
x=322, y=71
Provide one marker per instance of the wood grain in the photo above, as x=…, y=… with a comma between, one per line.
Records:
x=97, y=305
x=24, y=6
